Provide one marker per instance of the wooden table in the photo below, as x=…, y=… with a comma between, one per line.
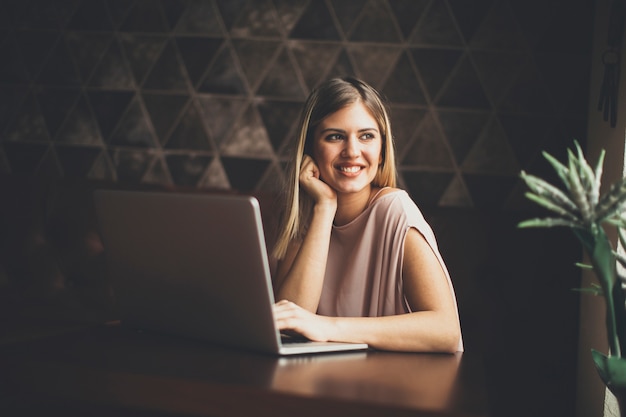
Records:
x=113, y=371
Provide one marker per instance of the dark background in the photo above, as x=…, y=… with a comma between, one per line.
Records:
x=205, y=94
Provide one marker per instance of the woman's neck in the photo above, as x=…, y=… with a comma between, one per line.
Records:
x=350, y=205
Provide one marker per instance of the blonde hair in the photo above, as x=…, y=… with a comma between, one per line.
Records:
x=328, y=98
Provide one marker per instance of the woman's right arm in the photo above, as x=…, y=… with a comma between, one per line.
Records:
x=300, y=274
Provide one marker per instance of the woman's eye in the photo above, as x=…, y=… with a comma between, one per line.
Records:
x=334, y=137
x=368, y=136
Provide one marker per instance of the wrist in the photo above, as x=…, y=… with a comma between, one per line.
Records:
x=326, y=207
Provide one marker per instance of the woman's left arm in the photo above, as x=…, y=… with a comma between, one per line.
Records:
x=433, y=326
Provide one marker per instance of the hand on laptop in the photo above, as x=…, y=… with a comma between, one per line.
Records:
x=291, y=317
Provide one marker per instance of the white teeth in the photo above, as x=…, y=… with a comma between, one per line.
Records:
x=350, y=169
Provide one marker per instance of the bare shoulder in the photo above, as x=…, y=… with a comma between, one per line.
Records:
x=385, y=191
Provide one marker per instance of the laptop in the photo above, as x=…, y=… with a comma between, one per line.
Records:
x=194, y=265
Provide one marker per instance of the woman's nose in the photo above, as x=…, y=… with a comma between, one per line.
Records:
x=351, y=147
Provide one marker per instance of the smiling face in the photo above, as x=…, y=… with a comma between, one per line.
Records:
x=347, y=148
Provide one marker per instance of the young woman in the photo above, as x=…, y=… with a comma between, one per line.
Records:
x=357, y=260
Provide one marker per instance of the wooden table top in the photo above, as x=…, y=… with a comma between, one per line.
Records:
x=118, y=371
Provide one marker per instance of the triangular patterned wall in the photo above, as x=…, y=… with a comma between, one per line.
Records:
x=206, y=92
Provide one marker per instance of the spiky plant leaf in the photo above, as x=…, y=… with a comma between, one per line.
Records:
x=585, y=172
x=579, y=194
x=551, y=206
x=611, y=202
x=595, y=289
x=549, y=191
x=548, y=222
x=561, y=170
x=598, y=177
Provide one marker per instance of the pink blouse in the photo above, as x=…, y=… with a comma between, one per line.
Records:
x=364, y=269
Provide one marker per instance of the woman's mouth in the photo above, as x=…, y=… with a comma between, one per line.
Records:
x=350, y=169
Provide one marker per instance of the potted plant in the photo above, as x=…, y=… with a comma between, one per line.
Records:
x=580, y=207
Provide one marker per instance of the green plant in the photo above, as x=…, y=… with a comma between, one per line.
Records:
x=581, y=208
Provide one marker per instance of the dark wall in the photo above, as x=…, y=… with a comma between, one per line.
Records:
x=205, y=93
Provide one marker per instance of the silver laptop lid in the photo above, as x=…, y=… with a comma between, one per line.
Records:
x=190, y=264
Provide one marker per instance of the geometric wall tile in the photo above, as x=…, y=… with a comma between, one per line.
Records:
x=223, y=76
x=4, y=163
x=282, y=80
x=404, y=123
x=86, y=50
x=229, y=10
x=288, y=12
x=118, y=10
x=220, y=114
x=463, y=89
x=272, y=181
x=313, y=59
x=59, y=68
x=76, y=161
x=141, y=53
x=469, y=15
x=130, y=165
x=407, y=14
x=528, y=94
x=315, y=23
x=342, y=66
x=164, y=111
x=189, y=133
x=256, y=18
x=103, y=168
x=133, y=130
x=244, y=173
x=167, y=72
x=255, y=56
x=403, y=86
x=34, y=47
x=80, y=126
x=157, y=173
x=187, y=169
x=197, y=53
x=456, y=194
x=146, y=16
x=427, y=188
x=108, y=107
x=377, y=15
x=200, y=18
x=91, y=16
x=279, y=119
x=13, y=70
x=28, y=124
x=435, y=66
x=11, y=97
x=498, y=30
x=146, y=90
x=55, y=105
x=173, y=10
x=462, y=129
x=372, y=63
x=49, y=166
x=497, y=70
x=249, y=137
x=215, y=176
x=491, y=154
x=428, y=150
x=24, y=158
x=489, y=191
x=347, y=12
x=526, y=134
x=437, y=27
x=112, y=70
